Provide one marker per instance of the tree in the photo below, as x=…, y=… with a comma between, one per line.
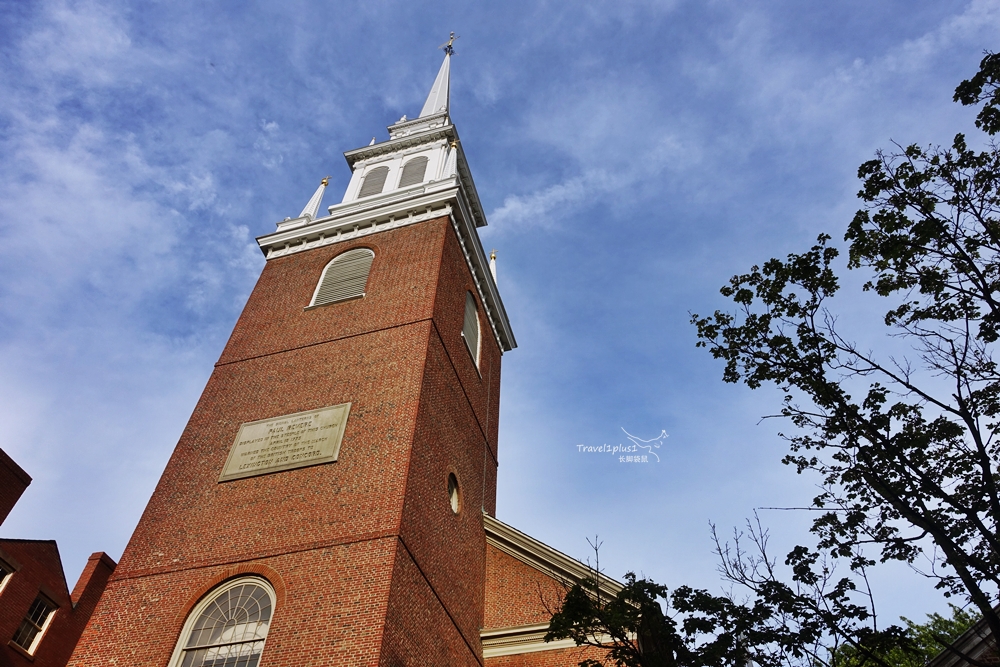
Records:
x=905, y=445
x=927, y=641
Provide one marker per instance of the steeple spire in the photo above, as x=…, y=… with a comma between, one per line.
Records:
x=312, y=208
x=437, y=99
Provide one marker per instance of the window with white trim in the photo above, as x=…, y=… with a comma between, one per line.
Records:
x=228, y=627
x=345, y=277
x=454, y=499
x=32, y=627
x=470, y=327
x=6, y=572
x=413, y=172
x=374, y=182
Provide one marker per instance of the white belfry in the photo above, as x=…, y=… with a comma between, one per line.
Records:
x=312, y=208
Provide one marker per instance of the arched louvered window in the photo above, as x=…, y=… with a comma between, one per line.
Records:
x=470, y=327
x=413, y=172
x=228, y=627
x=374, y=182
x=345, y=277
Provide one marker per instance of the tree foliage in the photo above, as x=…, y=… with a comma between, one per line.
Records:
x=905, y=443
x=926, y=641
x=703, y=631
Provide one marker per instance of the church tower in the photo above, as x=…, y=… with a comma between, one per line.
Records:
x=325, y=503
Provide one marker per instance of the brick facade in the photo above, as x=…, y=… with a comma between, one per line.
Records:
x=516, y=593
x=376, y=568
x=38, y=571
x=369, y=563
x=564, y=657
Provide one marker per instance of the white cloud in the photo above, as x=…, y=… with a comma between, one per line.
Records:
x=82, y=39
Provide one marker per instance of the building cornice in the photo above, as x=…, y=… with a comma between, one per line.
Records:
x=519, y=639
x=366, y=153
x=542, y=557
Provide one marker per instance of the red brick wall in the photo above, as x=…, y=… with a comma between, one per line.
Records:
x=516, y=593
x=455, y=433
x=419, y=630
x=13, y=482
x=330, y=532
x=39, y=569
x=400, y=290
x=565, y=657
x=331, y=602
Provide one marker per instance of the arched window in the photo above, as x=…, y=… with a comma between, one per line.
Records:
x=413, y=172
x=345, y=277
x=374, y=181
x=470, y=327
x=228, y=627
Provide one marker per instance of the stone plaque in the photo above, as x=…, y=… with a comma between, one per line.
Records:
x=283, y=443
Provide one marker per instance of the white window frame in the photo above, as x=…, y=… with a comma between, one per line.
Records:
x=10, y=569
x=209, y=598
x=42, y=629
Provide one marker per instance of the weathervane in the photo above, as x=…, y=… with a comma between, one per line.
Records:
x=447, y=46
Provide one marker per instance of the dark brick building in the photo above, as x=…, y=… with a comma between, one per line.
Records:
x=331, y=500
x=40, y=619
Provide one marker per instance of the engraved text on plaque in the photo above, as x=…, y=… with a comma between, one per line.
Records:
x=283, y=443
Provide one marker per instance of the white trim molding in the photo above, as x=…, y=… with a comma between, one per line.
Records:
x=520, y=639
x=555, y=564
x=542, y=557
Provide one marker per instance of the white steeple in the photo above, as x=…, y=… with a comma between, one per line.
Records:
x=312, y=208
x=437, y=99
x=420, y=174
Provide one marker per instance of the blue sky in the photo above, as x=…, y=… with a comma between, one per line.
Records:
x=630, y=155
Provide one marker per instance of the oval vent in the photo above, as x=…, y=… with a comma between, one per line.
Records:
x=345, y=277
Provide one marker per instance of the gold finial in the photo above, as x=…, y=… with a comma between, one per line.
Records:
x=454, y=143
x=447, y=46
x=493, y=254
x=325, y=181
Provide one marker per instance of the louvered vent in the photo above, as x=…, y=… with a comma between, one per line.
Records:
x=374, y=182
x=413, y=172
x=345, y=277
x=470, y=328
